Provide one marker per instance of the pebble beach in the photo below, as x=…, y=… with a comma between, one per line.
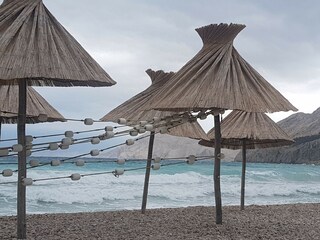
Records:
x=292, y=221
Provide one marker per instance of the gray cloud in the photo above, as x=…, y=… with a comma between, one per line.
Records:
x=127, y=37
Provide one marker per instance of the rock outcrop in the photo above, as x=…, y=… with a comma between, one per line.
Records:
x=302, y=124
x=166, y=146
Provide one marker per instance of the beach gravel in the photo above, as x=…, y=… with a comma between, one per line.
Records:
x=292, y=221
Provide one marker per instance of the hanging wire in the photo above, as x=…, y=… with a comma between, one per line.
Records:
x=85, y=140
x=100, y=173
x=62, y=134
x=9, y=139
x=85, y=154
x=126, y=160
x=116, y=134
x=63, y=119
x=179, y=158
x=161, y=124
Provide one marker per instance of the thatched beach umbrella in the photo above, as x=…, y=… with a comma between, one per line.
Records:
x=218, y=78
x=37, y=50
x=248, y=131
x=132, y=110
x=36, y=106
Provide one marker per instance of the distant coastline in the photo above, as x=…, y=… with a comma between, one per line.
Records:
x=305, y=150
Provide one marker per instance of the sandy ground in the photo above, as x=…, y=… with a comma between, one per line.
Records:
x=298, y=221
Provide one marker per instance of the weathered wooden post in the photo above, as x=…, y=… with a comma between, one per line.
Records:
x=147, y=175
x=216, y=174
x=243, y=176
x=22, y=172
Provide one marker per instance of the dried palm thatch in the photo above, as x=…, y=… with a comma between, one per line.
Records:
x=257, y=129
x=36, y=105
x=34, y=46
x=218, y=77
x=132, y=109
x=189, y=129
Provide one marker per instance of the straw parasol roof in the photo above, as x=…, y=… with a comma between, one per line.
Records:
x=257, y=129
x=36, y=105
x=189, y=129
x=35, y=47
x=218, y=77
x=248, y=130
x=132, y=109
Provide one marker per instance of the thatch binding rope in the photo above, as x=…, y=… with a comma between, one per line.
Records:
x=216, y=34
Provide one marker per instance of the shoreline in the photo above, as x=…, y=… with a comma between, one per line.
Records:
x=289, y=221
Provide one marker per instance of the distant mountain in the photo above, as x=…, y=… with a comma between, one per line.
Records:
x=302, y=124
x=305, y=129
x=300, y=152
x=166, y=146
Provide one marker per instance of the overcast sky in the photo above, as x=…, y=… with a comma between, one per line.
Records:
x=281, y=41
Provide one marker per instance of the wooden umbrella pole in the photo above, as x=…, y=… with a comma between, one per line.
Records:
x=216, y=175
x=147, y=176
x=243, y=176
x=22, y=172
x=0, y=127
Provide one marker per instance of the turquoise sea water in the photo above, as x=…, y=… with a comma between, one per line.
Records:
x=178, y=185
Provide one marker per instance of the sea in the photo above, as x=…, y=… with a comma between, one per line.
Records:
x=175, y=184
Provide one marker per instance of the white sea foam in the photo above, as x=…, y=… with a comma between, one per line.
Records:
x=174, y=187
